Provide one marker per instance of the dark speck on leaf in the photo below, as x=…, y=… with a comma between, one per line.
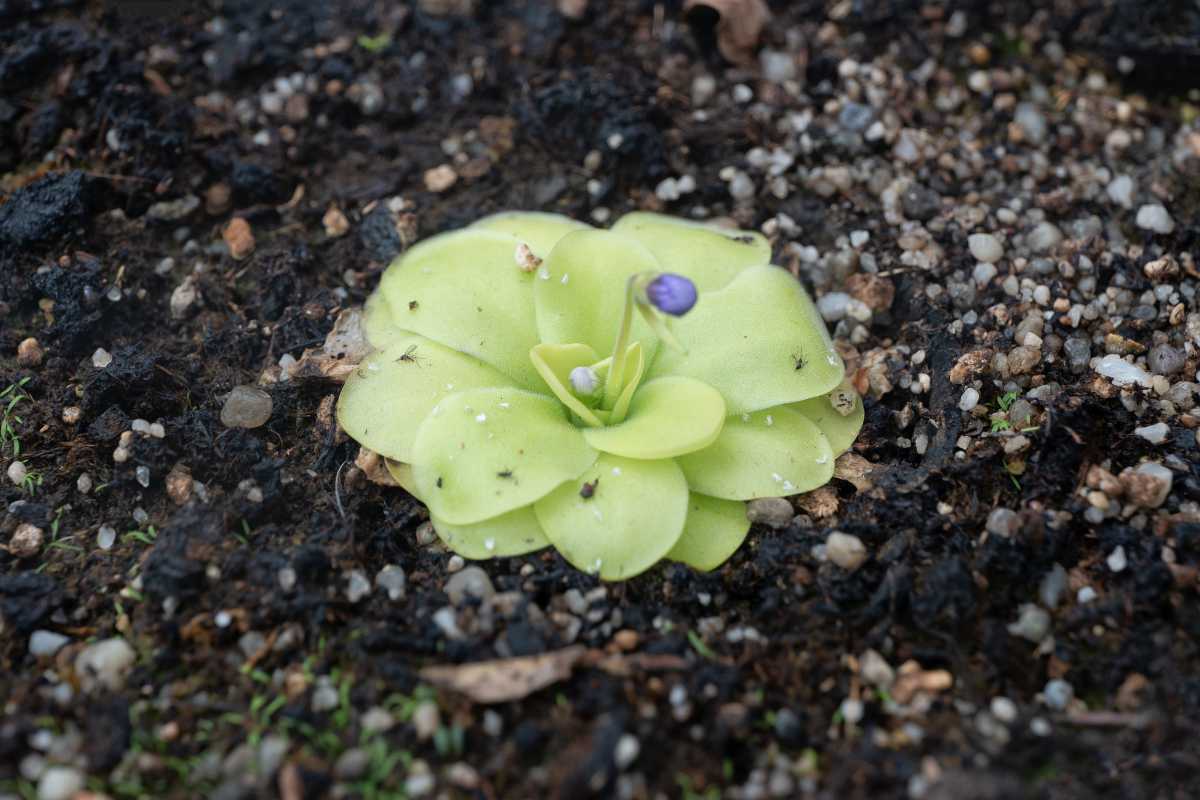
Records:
x=412, y=305
x=800, y=361
x=743, y=239
x=588, y=489
x=439, y=482
x=507, y=473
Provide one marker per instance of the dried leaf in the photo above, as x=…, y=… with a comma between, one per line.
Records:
x=740, y=26
x=854, y=468
x=344, y=347
x=372, y=466
x=506, y=679
x=819, y=503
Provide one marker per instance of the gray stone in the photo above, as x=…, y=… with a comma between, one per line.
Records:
x=1043, y=238
x=471, y=582
x=1002, y=522
x=391, y=579
x=985, y=247
x=46, y=643
x=774, y=512
x=246, y=407
x=1153, y=217
x=1120, y=191
x=1032, y=121
x=105, y=664
x=60, y=783
x=352, y=764
x=1033, y=623
x=1052, y=586
x=846, y=550
x=1164, y=359
x=920, y=203
x=1154, y=434
x=426, y=720
x=856, y=117
x=1058, y=694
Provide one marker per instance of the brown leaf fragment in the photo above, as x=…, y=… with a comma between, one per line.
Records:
x=506, y=679
x=739, y=28
x=819, y=503
x=854, y=469
x=374, y=468
x=345, y=346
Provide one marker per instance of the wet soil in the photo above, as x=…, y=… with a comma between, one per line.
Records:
x=109, y=111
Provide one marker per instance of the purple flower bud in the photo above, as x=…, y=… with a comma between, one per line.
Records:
x=672, y=294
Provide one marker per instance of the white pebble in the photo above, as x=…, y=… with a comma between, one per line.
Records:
x=101, y=358
x=1154, y=434
x=846, y=550
x=985, y=247
x=969, y=399
x=1153, y=217
x=1117, y=561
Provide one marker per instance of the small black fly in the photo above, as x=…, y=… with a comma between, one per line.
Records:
x=439, y=481
x=588, y=489
x=800, y=361
x=504, y=473
x=412, y=305
x=410, y=355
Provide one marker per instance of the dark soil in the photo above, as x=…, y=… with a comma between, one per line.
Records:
x=735, y=682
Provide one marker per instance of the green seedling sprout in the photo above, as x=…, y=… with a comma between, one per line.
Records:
x=513, y=389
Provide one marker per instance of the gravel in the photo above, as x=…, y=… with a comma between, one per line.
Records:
x=1153, y=217
x=846, y=550
x=985, y=247
x=246, y=407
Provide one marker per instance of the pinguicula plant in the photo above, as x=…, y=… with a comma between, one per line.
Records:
x=616, y=394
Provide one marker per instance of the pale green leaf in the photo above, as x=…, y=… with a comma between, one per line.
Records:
x=580, y=291
x=667, y=417
x=715, y=528
x=484, y=452
x=633, y=518
x=538, y=229
x=389, y=393
x=512, y=534
x=770, y=453
x=402, y=474
x=465, y=290
x=709, y=255
x=759, y=341
x=841, y=430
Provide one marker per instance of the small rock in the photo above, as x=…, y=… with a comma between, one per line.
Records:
x=378, y=720
x=173, y=210
x=774, y=512
x=180, y=485
x=920, y=203
x=101, y=358
x=26, y=541
x=846, y=550
x=105, y=665
x=335, y=223
x=357, y=586
x=985, y=247
x=833, y=306
x=1043, y=238
x=469, y=582
x=71, y=414
x=1117, y=560
x=239, y=238
x=352, y=764
x=183, y=296
x=246, y=407
x=60, y=783
x=1120, y=191
x=1032, y=122
x=106, y=537
x=218, y=199
x=1164, y=359
x=251, y=643
x=626, y=751
x=1121, y=372
x=325, y=696
x=1153, y=217
x=29, y=352
x=741, y=187
x=1003, y=522
x=1004, y=709
x=1147, y=486
x=969, y=399
x=17, y=472
x=440, y=178
x=392, y=580
x=875, y=670
x=46, y=643
x=1033, y=623
x=1154, y=434
x=1052, y=586
x=426, y=720
x=1058, y=694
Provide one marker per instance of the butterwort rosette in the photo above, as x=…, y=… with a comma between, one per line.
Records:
x=615, y=394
